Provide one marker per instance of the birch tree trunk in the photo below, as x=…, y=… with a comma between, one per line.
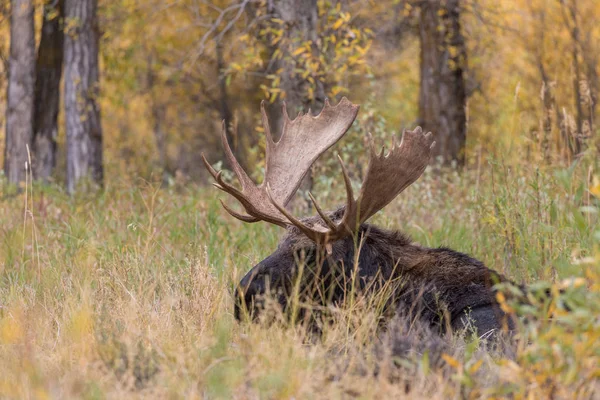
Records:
x=20, y=91
x=82, y=113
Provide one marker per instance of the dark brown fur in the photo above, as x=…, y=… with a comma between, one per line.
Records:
x=439, y=286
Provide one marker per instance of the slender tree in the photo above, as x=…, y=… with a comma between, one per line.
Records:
x=20, y=92
x=584, y=59
x=300, y=19
x=82, y=113
x=47, y=90
x=443, y=95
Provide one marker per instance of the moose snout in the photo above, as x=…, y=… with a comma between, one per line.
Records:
x=248, y=292
x=268, y=277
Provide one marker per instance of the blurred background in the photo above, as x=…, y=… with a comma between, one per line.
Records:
x=95, y=89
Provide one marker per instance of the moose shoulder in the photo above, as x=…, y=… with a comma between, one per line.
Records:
x=332, y=253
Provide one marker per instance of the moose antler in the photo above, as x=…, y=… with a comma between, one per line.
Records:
x=387, y=176
x=303, y=140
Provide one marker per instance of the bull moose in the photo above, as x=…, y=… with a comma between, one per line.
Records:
x=327, y=253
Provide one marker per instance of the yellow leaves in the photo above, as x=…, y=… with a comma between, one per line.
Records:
x=457, y=365
x=475, y=367
x=453, y=362
x=236, y=67
x=52, y=14
x=337, y=53
x=501, y=299
x=299, y=51
x=265, y=90
x=363, y=50
x=338, y=24
x=343, y=17
x=277, y=35
x=337, y=90
x=310, y=92
x=595, y=187
x=70, y=26
x=453, y=51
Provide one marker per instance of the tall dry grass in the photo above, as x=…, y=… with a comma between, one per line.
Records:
x=126, y=293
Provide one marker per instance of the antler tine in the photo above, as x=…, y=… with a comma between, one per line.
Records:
x=388, y=175
x=241, y=217
x=243, y=178
x=322, y=214
x=302, y=141
x=229, y=189
x=208, y=167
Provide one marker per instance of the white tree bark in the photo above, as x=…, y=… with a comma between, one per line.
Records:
x=81, y=74
x=20, y=91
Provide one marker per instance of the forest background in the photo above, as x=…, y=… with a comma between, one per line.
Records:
x=512, y=79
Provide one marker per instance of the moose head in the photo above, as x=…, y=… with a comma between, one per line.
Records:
x=326, y=254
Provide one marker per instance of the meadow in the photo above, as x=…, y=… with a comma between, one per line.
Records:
x=127, y=293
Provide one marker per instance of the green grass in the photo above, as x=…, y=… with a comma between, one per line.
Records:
x=127, y=293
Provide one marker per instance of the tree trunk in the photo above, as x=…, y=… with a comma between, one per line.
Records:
x=549, y=109
x=223, y=105
x=158, y=113
x=20, y=92
x=577, y=145
x=583, y=104
x=224, y=109
x=82, y=113
x=300, y=24
x=47, y=91
x=547, y=94
x=443, y=96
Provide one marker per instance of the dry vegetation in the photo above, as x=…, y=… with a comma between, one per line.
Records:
x=127, y=293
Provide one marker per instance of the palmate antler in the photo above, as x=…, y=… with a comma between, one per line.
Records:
x=303, y=140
